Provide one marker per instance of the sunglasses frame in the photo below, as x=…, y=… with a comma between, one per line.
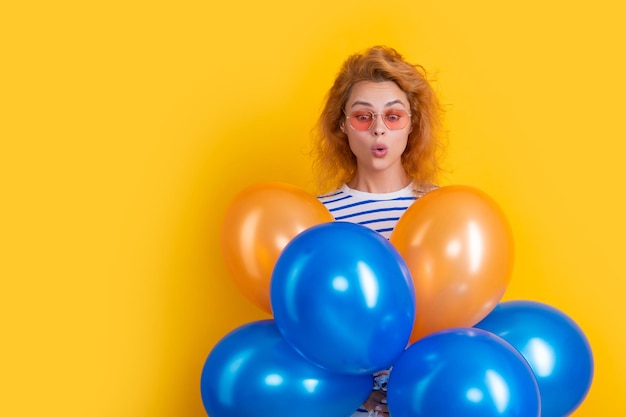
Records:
x=374, y=117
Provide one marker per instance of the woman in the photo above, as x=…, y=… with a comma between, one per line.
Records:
x=378, y=142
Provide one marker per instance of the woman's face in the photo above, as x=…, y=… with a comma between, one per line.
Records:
x=380, y=147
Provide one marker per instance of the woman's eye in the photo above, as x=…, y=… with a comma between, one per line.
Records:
x=363, y=117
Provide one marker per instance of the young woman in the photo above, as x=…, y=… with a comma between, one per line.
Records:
x=377, y=149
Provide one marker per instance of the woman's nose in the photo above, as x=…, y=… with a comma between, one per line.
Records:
x=379, y=127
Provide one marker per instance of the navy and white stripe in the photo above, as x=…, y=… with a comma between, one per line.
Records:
x=379, y=212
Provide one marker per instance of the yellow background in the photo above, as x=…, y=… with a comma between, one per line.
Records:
x=127, y=126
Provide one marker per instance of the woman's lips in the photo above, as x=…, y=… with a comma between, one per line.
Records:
x=379, y=151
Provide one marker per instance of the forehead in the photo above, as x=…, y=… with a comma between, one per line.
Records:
x=376, y=94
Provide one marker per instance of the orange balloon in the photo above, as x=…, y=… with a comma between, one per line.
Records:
x=259, y=223
x=458, y=246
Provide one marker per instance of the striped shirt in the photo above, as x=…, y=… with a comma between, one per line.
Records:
x=379, y=212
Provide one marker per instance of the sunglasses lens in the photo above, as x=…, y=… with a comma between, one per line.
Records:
x=361, y=120
x=396, y=119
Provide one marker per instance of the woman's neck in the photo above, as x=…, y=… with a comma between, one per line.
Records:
x=379, y=183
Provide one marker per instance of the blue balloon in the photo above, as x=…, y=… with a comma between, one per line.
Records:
x=554, y=346
x=342, y=296
x=462, y=372
x=253, y=371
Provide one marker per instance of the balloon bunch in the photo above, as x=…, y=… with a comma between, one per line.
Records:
x=347, y=303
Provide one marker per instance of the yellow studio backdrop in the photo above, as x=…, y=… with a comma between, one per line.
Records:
x=127, y=127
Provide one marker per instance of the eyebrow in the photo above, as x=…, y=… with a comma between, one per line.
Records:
x=365, y=103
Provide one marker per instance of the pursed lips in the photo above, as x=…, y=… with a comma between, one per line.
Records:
x=379, y=150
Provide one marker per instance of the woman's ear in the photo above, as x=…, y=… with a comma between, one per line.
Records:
x=342, y=126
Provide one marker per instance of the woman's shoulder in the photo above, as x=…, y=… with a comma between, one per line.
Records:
x=421, y=190
x=335, y=192
x=335, y=195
